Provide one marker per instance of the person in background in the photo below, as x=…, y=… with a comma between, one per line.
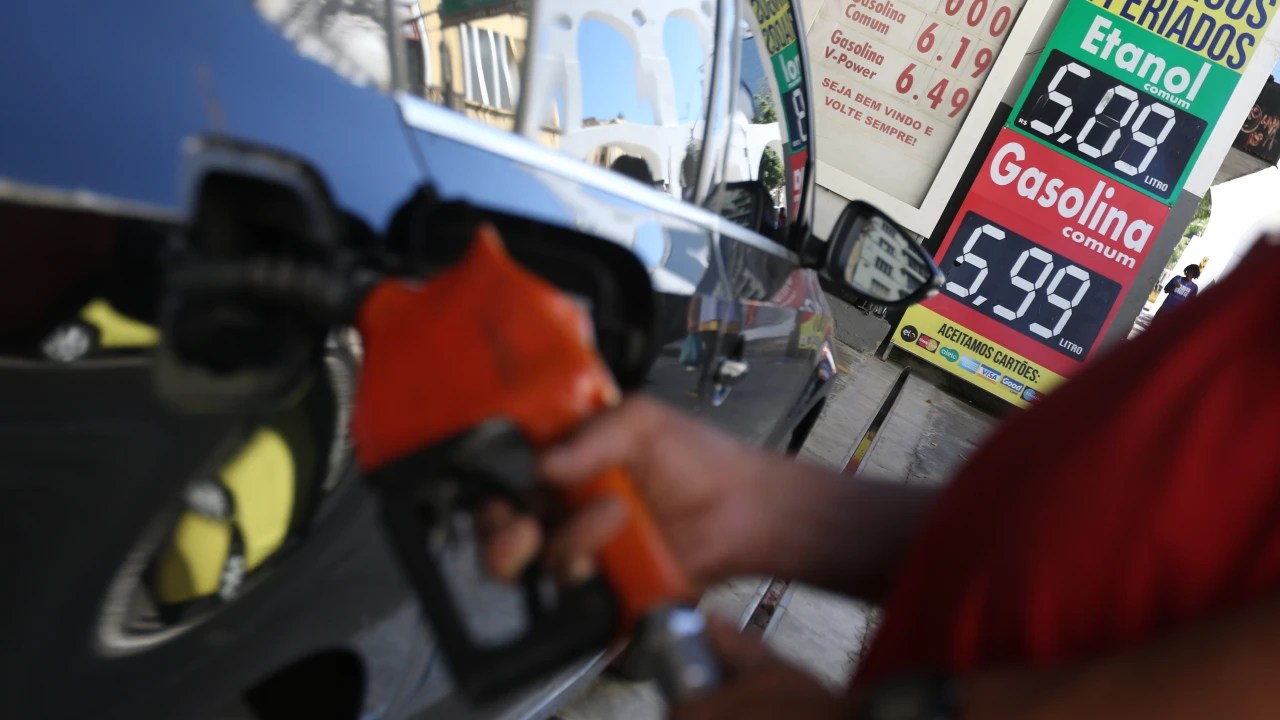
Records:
x=633, y=167
x=1180, y=289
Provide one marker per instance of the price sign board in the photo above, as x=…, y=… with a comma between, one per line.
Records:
x=1123, y=101
x=1036, y=261
x=1051, y=237
x=1224, y=31
x=775, y=21
x=895, y=81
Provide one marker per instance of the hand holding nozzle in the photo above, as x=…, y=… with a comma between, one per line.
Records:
x=538, y=372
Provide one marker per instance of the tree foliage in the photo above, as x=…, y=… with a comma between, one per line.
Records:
x=765, y=111
x=771, y=169
x=1199, y=221
x=1201, y=218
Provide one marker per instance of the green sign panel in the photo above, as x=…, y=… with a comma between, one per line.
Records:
x=1127, y=102
x=1159, y=67
x=786, y=68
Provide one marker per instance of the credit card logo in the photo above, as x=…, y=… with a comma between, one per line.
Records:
x=909, y=333
x=1013, y=385
x=968, y=363
x=950, y=354
x=989, y=374
x=1030, y=395
x=928, y=343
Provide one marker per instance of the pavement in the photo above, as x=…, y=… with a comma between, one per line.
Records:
x=860, y=330
x=926, y=435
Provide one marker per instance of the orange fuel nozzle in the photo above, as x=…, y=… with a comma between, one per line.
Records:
x=489, y=339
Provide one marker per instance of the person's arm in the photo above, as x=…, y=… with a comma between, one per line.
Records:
x=843, y=533
x=1172, y=284
x=1224, y=668
x=726, y=509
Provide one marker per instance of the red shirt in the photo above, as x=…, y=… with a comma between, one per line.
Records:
x=1143, y=496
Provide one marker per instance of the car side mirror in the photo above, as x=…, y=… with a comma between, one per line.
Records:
x=870, y=255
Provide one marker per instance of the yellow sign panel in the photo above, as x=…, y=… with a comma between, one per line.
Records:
x=776, y=23
x=959, y=351
x=1224, y=31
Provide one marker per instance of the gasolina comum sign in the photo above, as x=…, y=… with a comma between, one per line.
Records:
x=1037, y=258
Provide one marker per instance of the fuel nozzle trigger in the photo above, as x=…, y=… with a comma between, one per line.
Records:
x=420, y=495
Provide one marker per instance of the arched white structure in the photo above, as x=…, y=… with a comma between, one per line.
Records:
x=663, y=143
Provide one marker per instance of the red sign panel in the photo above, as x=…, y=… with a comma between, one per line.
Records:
x=1042, y=251
x=796, y=171
x=1104, y=224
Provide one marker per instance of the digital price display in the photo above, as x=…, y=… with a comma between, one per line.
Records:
x=1110, y=125
x=1026, y=287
